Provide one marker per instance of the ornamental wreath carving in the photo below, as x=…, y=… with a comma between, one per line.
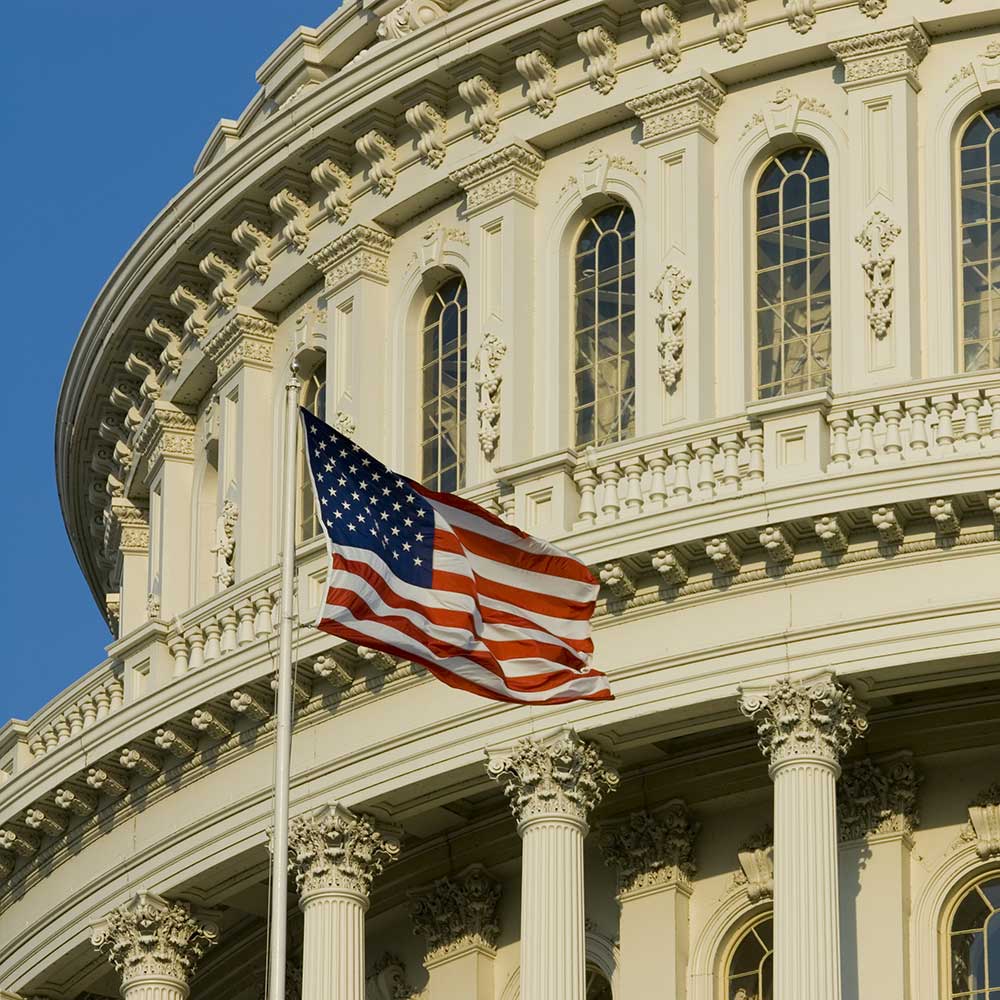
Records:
x=151, y=937
x=811, y=718
x=875, y=239
x=669, y=295
x=562, y=775
x=875, y=798
x=487, y=364
x=459, y=913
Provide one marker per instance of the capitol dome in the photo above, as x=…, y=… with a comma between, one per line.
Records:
x=701, y=291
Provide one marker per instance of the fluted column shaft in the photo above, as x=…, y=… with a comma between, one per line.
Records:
x=161, y=988
x=333, y=947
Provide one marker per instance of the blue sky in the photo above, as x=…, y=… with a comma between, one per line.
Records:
x=107, y=105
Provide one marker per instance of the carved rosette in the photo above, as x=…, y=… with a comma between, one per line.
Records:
x=652, y=850
x=688, y=106
x=362, y=251
x=815, y=718
x=154, y=938
x=562, y=776
x=876, y=798
x=457, y=914
x=510, y=172
x=334, y=849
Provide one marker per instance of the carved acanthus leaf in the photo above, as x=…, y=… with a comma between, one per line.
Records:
x=161, y=331
x=376, y=147
x=730, y=23
x=601, y=50
x=669, y=295
x=483, y=99
x=431, y=128
x=875, y=240
x=539, y=75
x=756, y=858
x=801, y=14
x=651, y=850
x=984, y=820
x=192, y=303
x=488, y=382
x=220, y=269
x=334, y=180
x=664, y=29
x=458, y=913
x=257, y=244
x=877, y=797
x=408, y=17
x=292, y=206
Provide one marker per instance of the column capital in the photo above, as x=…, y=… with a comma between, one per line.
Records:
x=332, y=849
x=153, y=938
x=878, y=797
x=362, y=251
x=166, y=432
x=508, y=173
x=561, y=776
x=652, y=850
x=458, y=914
x=814, y=717
x=133, y=524
x=684, y=107
x=245, y=340
x=882, y=56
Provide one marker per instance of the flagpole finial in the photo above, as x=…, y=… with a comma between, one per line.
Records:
x=294, y=380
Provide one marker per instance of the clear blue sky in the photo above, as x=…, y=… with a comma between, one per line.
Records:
x=107, y=105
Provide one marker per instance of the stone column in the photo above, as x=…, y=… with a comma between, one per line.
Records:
x=552, y=785
x=804, y=728
x=155, y=944
x=654, y=855
x=458, y=919
x=334, y=856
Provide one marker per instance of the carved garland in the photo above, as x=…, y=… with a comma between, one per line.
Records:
x=669, y=295
x=875, y=239
x=487, y=364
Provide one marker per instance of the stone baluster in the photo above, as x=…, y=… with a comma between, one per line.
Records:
x=62, y=730
x=657, y=463
x=196, y=645
x=804, y=728
x=75, y=719
x=51, y=740
x=155, y=945
x=892, y=415
x=245, y=630
x=116, y=694
x=730, y=445
x=263, y=602
x=586, y=484
x=755, y=469
x=633, y=491
x=552, y=786
x=334, y=856
x=103, y=702
x=680, y=458
x=993, y=398
x=840, y=452
x=705, y=452
x=610, y=504
x=944, y=407
x=178, y=648
x=89, y=709
x=228, y=620
x=867, y=449
x=971, y=400
x=213, y=644
x=917, y=411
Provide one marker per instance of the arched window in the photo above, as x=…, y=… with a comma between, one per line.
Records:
x=604, y=365
x=598, y=987
x=792, y=266
x=314, y=400
x=750, y=972
x=974, y=938
x=444, y=371
x=979, y=239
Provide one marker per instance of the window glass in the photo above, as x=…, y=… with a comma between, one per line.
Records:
x=598, y=987
x=750, y=973
x=974, y=940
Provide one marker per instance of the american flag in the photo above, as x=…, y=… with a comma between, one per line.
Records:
x=437, y=580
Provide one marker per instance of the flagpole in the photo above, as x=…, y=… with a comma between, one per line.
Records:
x=283, y=707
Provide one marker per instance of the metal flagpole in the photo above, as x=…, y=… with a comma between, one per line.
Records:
x=283, y=708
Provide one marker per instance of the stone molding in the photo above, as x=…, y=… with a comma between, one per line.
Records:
x=984, y=822
x=877, y=797
x=882, y=56
x=804, y=719
x=363, y=251
x=150, y=938
x=652, y=850
x=559, y=776
x=756, y=859
x=508, y=173
x=166, y=432
x=456, y=914
x=245, y=340
x=133, y=522
x=682, y=108
x=332, y=849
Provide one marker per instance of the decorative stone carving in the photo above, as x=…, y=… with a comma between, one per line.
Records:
x=601, y=50
x=344, y=424
x=777, y=544
x=945, y=516
x=153, y=938
x=455, y=914
x=873, y=8
x=664, y=29
x=380, y=153
x=176, y=743
x=189, y=300
x=993, y=503
x=723, y=555
x=383, y=661
x=874, y=798
x=362, y=251
x=671, y=566
x=801, y=15
x=730, y=23
x=224, y=548
x=133, y=523
x=221, y=269
x=618, y=581
x=334, y=179
x=46, y=821
x=483, y=99
x=161, y=331
x=140, y=365
x=431, y=127
x=816, y=717
x=756, y=858
x=140, y=761
x=245, y=704
x=245, y=340
x=781, y=116
x=211, y=724
x=885, y=520
x=488, y=381
x=333, y=848
x=562, y=775
x=652, y=850
x=408, y=17
x=105, y=781
x=510, y=172
x=539, y=73
x=831, y=533
x=882, y=55
x=669, y=295
x=291, y=204
x=875, y=239
x=17, y=842
x=257, y=244
x=388, y=980
x=76, y=801
x=984, y=818
x=167, y=432
x=688, y=106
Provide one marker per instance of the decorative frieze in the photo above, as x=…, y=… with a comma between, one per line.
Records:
x=652, y=850
x=878, y=263
x=245, y=340
x=877, y=797
x=883, y=55
x=133, y=524
x=431, y=127
x=801, y=15
x=333, y=848
x=153, y=938
x=363, y=251
x=538, y=70
x=669, y=295
x=756, y=860
x=813, y=718
x=984, y=821
x=781, y=116
x=730, y=23
x=488, y=381
x=456, y=914
x=380, y=153
x=664, y=27
x=510, y=172
x=688, y=106
x=408, y=17
x=562, y=775
x=985, y=69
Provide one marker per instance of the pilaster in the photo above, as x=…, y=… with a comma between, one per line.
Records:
x=500, y=204
x=880, y=78
x=355, y=267
x=155, y=945
x=133, y=544
x=678, y=133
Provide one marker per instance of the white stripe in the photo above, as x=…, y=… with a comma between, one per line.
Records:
x=526, y=579
x=571, y=628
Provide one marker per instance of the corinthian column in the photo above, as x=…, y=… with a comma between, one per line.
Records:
x=552, y=786
x=334, y=856
x=155, y=944
x=804, y=728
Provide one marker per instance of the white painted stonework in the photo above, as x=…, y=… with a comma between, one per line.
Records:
x=800, y=608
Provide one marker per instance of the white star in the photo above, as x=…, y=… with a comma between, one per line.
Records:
x=395, y=530
x=352, y=469
x=419, y=536
x=328, y=466
x=384, y=515
x=396, y=506
x=322, y=446
x=343, y=453
x=342, y=481
x=355, y=496
x=366, y=461
x=324, y=501
x=418, y=562
x=395, y=554
x=336, y=513
x=319, y=478
x=376, y=476
x=408, y=522
x=407, y=546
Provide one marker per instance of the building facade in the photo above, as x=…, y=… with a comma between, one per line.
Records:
x=700, y=291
